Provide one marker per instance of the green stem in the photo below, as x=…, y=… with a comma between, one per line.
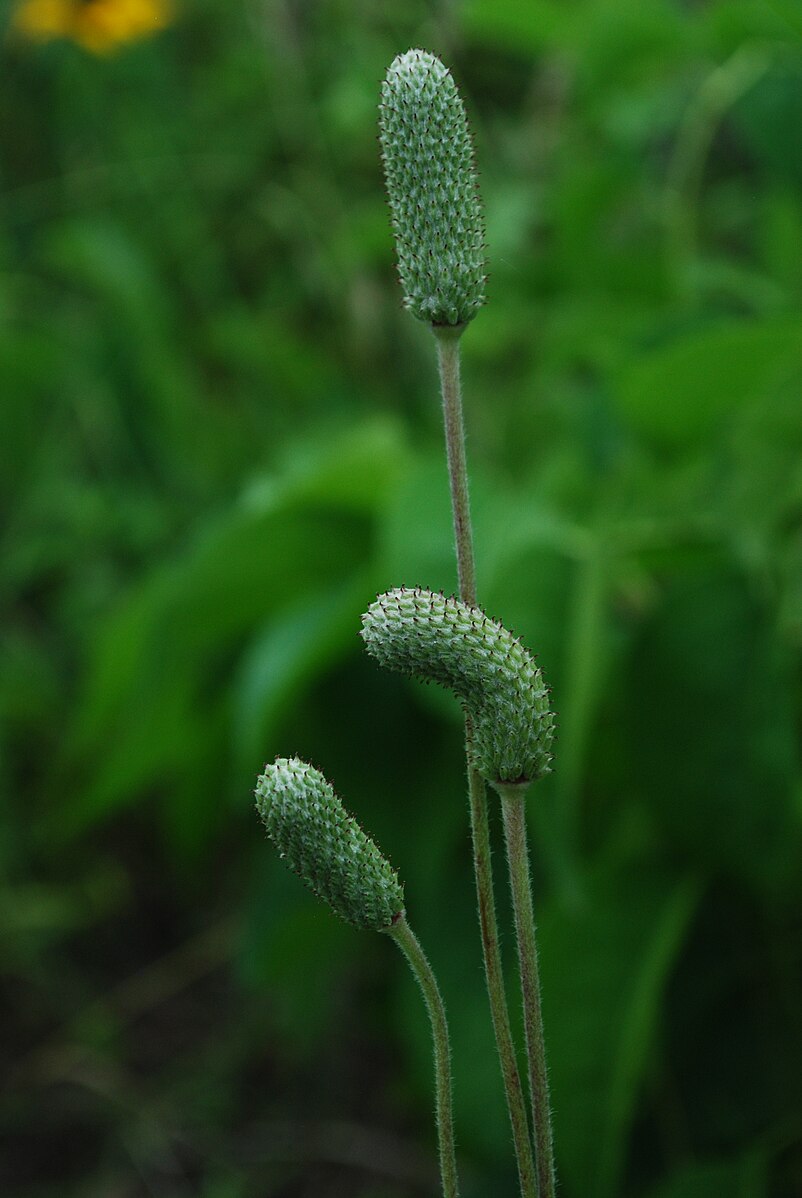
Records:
x=494, y=976
x=408, y=942
x=448, y=361
x=514, y=812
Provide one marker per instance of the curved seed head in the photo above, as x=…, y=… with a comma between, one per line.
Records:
x=502, y=690
x=325, y=846
x=433, y=192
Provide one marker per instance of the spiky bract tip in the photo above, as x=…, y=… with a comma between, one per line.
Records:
x=325, y=846
x=443, y=640
x=432, y=189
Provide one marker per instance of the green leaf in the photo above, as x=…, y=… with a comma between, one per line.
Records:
x=743, y=1178
x=714, y=714
x=163, y=663
x=292, y=944
x=415, y=532
x=678, y=393
x=612, y=37
x=104, y=257
x=286, y=654
x=604, y=968
x=769, y=116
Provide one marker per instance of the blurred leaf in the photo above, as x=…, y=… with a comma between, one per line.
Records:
x=416, y=538
x=743, y=1178
x=678, y=393
x=38, y=910
x=604, y=968
x=602, y=242
x=31, y=361
x=298, y=952
x=161, y=656
x=257, y=554
x=290, y=651
x=780, y=234
x=586, y=26
x=104, y=257
x=714, y=717
x=507, y=23
x=769, y=116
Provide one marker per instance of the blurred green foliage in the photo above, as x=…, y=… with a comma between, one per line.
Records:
x=219, y=437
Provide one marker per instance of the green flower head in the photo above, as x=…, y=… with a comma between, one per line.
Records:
x=501, y=688
x=325, y=846
x=433, y=192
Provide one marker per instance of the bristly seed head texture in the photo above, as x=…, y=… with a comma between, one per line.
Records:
x=433, y=191
x=325, y=846
x=501, y=688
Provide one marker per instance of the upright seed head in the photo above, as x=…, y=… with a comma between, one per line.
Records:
x=325, y=846
x=433, y=192
x=501, y=688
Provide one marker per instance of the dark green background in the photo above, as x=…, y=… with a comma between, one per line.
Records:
x=219, y=436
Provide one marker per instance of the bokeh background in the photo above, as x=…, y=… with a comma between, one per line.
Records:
x=220, y=436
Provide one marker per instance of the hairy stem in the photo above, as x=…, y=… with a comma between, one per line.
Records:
x=516, y=1102
x=448, y=361
x=514, y=812
x=410, y=946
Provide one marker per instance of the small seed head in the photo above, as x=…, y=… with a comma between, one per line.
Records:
x=432, y=187
x=325, y=846
x=501, y=688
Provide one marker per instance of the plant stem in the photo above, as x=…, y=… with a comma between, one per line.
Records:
x=448, y=361
x=514, y=812
x=516, y=1103
x=408, y=942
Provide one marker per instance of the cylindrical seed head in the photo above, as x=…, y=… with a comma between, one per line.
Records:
x=433, y=192
x=501, y=688
x=325, y=846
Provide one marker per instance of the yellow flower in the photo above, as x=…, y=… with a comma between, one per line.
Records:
x=100, y=26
